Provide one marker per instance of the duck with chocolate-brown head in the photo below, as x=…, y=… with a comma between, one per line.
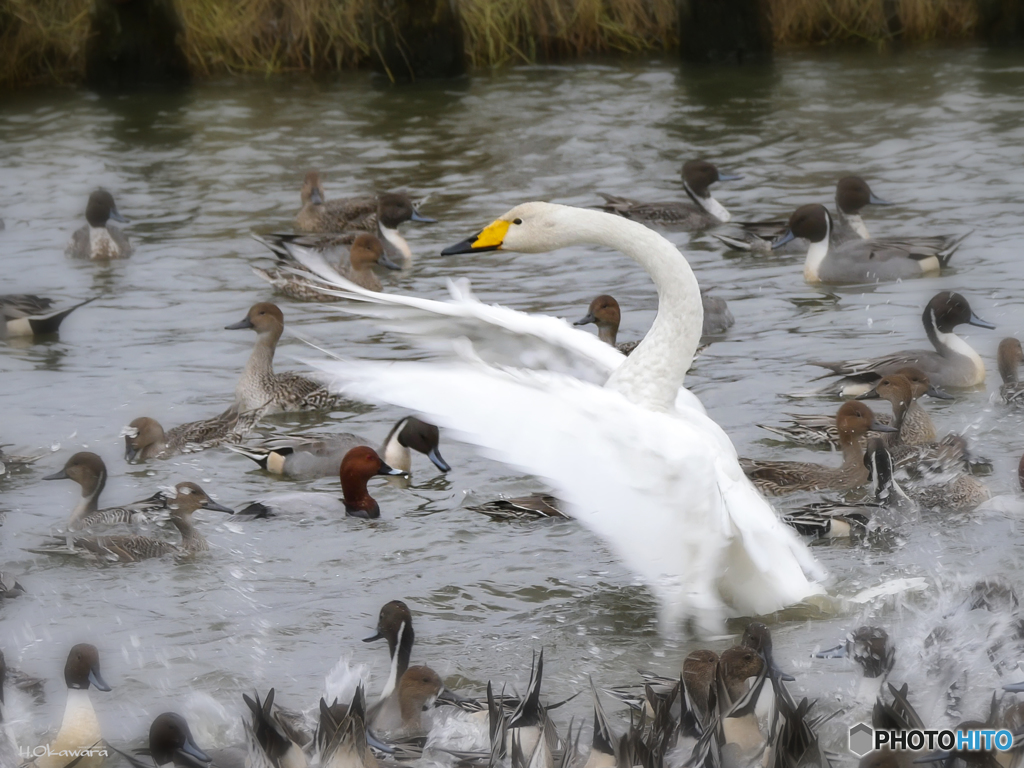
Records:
x=853, y=421
x=952, y=363
x=260, y=387
x=89, y=471
x=79, y=732
x=360, y=465
x=700, y=212
x=98, y=240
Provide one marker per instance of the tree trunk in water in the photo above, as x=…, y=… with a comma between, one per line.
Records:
x=134, y=43
x=724, y=30
x=417, y=39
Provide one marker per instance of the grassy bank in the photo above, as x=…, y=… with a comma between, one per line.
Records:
x=44, y=40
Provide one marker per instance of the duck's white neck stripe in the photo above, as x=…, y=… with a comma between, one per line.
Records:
x=392, y=682
x=394, y=237
x=858, y=225
x=816, y=254
x=951, y=343
x=710, y=205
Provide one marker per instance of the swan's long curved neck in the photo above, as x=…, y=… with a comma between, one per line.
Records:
x=652, y=374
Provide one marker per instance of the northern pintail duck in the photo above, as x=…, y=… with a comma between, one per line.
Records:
x=852, y=195
x=819, y=429
x=960, y=493
x=842, y=520
x=79, y=732
x=131, y=548
x=870, y=648
x=270, y=743
x=9, y=461
x=775, y=478
x=145, y=439
x=309, y=457
x=700, y=212
x=382, y=213
x=855, y=261
x=953, y=363
x=533, y=507
x=358, y=466
x=366, y=251
x=9, y=585
x=1010, y=356
x=89, y=471
x=99, y=240
x=25, y=314
x=394, y=624
x=260, y=387
x=171, y=745
x=642, y=395
x=604, y=312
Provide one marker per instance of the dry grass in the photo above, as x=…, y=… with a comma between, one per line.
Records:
x=807, y=22
x=44, y=40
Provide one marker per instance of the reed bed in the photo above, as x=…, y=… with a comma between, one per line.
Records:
x=44, y=40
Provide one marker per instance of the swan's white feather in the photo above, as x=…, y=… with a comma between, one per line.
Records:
x=679, y=513
x=499, y=335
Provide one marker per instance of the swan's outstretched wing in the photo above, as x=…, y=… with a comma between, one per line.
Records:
x=499, y=335
x=663, y=490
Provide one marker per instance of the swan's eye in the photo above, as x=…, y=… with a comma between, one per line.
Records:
x=517, y=221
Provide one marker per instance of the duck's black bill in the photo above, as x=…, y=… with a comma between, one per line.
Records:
x=878, y=427
x=417, y=216
x=211, y=504
x=97, y=681
x=934, y=391
x=387, y=470
x=839, y=652
x=246, y=323
x=786, y=237
x=874, y=199
x=440, y=463
x=729, y=176
x=384, y=261
x=378, y=635
x=316, y=198
x=466, y=246
x=975, y=320
x=587, y=320
x=60, y=475
x=871, y=394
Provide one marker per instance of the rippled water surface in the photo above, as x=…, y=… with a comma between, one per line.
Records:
x=277, y=602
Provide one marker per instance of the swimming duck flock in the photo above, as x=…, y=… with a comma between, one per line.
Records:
x=398, y=405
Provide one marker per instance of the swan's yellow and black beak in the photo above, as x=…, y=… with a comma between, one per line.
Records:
x=490, y=239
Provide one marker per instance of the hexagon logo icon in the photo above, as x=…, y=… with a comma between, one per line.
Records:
x=861, y=739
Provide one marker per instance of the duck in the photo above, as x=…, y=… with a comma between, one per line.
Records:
x=98, y=240
x=131, y=548
x=358, y=466
x=269, y=742
x=604, y=312
x=310, y=457
x=820, y=430
x=79, y=731
x=26, y=315
x=145, y=439
x=260, y=387
x=700, y=212
x=853, y=194
x=953, y=363
x=536, y=506
x=366, y=251
x=1009, y=357
x=712, y=571
x=739, y=733
x=855, y=261
x=170, y=744
x=853, y=420
x=394, y=624
x=381, y=214
x=842, y=520
x=960, y=493
x=9, y=461
x=418, y=689
x=90, y=472
x=870, y=647
x=10, y=587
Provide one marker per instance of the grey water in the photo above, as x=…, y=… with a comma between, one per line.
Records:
x=277, y=602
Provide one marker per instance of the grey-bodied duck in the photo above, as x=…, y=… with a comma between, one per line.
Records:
x=25, y=314
x=98, y=239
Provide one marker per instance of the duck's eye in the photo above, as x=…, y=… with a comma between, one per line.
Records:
x=517, y=221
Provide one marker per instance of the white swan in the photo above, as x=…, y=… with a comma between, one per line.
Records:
x=660, y=483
